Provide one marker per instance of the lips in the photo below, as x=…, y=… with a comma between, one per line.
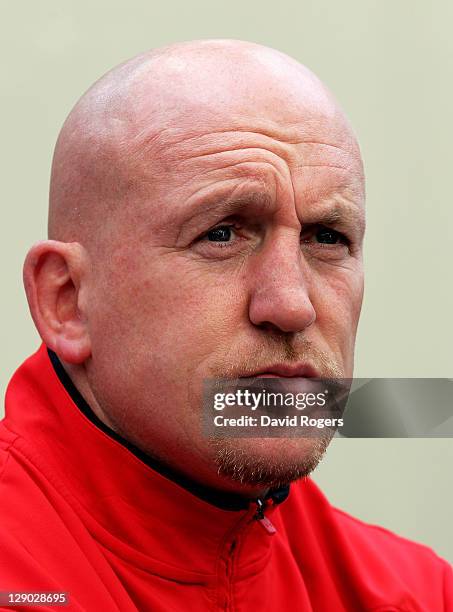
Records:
x=285, y=371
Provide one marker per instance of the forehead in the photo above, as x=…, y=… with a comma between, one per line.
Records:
x=189, y=104
x=306, y=163
x=286, y=138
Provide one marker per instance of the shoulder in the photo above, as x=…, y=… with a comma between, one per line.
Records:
x=372, y=540
x=378, y=542
x=393, y=557
x=372, y=557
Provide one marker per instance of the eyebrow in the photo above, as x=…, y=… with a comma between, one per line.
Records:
x=258, y=201
x=342, y=212
x=255, y=202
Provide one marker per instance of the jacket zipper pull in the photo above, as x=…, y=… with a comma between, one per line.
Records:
x=263, y=520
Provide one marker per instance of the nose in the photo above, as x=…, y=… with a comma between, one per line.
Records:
x=280, y=289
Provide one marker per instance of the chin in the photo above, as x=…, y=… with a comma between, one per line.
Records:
x=268, y=462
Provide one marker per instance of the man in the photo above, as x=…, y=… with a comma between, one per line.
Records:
x=206, y=221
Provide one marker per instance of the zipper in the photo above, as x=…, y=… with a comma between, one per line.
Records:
x=263, y=520
x=226, y=601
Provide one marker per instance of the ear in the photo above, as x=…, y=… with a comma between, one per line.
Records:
x=55, y=277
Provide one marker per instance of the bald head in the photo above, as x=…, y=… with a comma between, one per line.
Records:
x=117, y=140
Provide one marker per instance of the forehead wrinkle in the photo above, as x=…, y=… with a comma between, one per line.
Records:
x=209, y=143
x=281, y=157
x=239, y=130
x=190, y=151
x=263, y=171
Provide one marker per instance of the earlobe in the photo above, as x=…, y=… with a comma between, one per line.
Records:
x=54, y=280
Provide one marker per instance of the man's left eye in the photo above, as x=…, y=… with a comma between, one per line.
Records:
x=328, y=236
x=324, y=235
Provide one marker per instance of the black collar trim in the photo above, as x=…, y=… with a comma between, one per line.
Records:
x=225, y=501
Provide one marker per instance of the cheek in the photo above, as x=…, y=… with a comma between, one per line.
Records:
x=167, y=308
x=338, y=299
x=155, y=330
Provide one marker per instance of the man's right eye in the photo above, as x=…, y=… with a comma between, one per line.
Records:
x=226, y=240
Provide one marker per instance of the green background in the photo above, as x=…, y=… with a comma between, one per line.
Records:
x=390, y=66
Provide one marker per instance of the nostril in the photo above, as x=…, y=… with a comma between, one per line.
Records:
x=273, y=329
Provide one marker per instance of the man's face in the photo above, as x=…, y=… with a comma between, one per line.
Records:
x=238, y=248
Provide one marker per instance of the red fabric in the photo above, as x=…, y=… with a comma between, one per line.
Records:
x=80, y=513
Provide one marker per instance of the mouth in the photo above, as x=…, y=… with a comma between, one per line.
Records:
x=285, y=370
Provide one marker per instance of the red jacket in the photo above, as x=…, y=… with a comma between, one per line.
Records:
x=82, y=512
